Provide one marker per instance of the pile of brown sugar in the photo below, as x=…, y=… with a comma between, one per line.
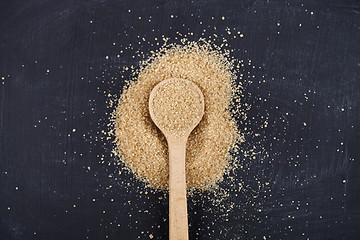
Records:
x=177, y=106
x=141, y=145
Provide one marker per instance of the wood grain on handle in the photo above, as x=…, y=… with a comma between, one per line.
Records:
x=178, y=220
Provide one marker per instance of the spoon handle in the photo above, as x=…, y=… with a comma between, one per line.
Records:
x=178, y=219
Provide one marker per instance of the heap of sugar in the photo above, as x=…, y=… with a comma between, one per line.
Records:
x=142, y=146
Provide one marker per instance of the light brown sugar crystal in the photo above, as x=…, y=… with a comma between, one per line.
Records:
x=142, y=146
x=177, y=106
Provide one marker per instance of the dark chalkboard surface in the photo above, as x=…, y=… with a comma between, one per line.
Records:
x=54, y=167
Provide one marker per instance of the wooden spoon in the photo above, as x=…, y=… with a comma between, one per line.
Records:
x=176, y=139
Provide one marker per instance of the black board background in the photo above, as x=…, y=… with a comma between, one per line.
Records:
x=44, y=164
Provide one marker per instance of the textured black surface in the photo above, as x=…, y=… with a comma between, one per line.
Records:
x=52, y=185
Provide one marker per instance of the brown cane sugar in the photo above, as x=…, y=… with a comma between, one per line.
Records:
x=142, y=146
x=177, y=106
